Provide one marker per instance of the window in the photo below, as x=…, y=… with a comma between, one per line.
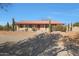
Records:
x=26, y=26
x=30, y=26
x=46, y=26
x=42, y=26
x=21, y=26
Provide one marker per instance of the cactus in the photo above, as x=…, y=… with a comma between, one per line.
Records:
x=50, y=26
x=13, y=24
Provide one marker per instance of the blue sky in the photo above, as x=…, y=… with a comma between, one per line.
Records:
x=65, y=13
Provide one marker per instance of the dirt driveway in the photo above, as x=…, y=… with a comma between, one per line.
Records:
x=15, y=36
x=8, y=36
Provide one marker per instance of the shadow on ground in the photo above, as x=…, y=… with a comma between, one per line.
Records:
x=41, y=45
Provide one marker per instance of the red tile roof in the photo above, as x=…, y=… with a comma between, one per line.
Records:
x=37, y=22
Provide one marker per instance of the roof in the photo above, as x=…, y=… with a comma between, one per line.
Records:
x=37, y=22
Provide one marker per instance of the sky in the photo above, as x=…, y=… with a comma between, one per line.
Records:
x=61, y=12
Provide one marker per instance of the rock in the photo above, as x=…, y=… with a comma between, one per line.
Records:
x=64, y=53
x=4, y=54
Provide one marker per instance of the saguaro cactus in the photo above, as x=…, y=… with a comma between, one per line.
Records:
x=68, y=27
x=13, y=24
x=8, y=26
x=50, y=27
x=71, y=26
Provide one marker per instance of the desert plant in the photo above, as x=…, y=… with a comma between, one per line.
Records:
x=8, y=26
x=71, y=27
x=76, y=24
x=68, y=27
x=60, y=28
x=26, y=29
x=1, y=27
x=50, y=26
x=33, y=29
x=13, y=24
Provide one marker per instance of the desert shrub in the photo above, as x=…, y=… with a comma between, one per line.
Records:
x=60, y=28
x=26, y=29
x=7, y=28
x=1, y=27
x=76, y=24
x=33, y=29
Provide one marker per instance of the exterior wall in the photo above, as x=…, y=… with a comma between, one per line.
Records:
x=17, y=28
x=23, y=29
x=42, y=28
x=29, y=29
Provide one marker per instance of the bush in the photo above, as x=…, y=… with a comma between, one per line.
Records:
x=60, y=28
x=76, y=24
x=26, y=29
x=33, y=29
x=1, y=27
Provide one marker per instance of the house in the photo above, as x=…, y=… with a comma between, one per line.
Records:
x=35, y=25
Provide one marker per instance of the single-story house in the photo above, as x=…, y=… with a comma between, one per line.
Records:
x=35, y=25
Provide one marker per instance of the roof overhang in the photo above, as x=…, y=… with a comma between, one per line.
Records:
x=37, y=22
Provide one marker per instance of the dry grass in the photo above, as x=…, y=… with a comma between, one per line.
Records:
x=72, y=37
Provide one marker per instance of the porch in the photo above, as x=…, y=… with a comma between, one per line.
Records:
x=31, y=27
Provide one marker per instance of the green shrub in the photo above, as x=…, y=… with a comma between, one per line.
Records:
x=76, y=24
x=33, y=29
x=60, y=28
x=26, y=29
x=1, y=27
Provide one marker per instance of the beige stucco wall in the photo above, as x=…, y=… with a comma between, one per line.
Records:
x=30, y=29
x=42, y=28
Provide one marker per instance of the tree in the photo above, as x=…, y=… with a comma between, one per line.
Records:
x=13, y=24
x=4, y=6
